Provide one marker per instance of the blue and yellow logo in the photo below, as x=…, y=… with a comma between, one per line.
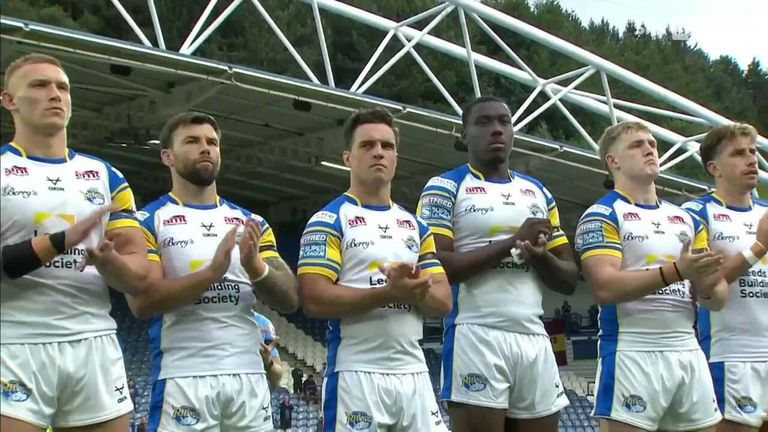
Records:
x=15, y=391
x=474, y=382
x=93, y=196
x=746, y=404
x=359, y=420
x=634, y=403
x=185, y=415
x=411, y=244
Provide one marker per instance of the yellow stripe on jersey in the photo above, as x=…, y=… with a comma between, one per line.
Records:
x=268, y=245
x=701, y=240
x=123, y=199
x=149, y=238
x=428, y=262
x=119, y=189
x=330, y=274
x=595, y=252
x=442, y=231
x=152, y=255
x=557, y=239
x=122, y=223
x=427, y=245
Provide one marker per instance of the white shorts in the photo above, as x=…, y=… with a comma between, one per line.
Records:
x=669, y=390
x=742, y=391
x=64, y=384
x=494, y=368
x=366, y=401
x=239, y=402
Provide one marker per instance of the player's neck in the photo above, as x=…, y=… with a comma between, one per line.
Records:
x=36, y=144
x=497, y=171
x=374, y=195
x=641, y=193
x=733, y=196
x=188, y=193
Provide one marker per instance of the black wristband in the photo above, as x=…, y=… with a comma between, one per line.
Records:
x=663, y=279
x=674, y=263
x=20, y=259
x=58, y=241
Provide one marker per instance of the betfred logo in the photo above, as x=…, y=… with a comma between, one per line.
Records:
x=405, y=223
x=87, y=175
x=721, y=217
x=475, y=190
x=528, y=193
x=676, y=220
x=356, y=221
x=175, y=220
x=17, y=171
x=230, y=220
x=631, y=216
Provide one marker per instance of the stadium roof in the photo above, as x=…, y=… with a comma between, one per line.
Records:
x=277, y=131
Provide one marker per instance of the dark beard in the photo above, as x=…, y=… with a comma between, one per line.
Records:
x=199, y=178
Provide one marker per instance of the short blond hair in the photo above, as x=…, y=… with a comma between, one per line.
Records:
x=28, y=59
x=611, y=134
x=714, y=140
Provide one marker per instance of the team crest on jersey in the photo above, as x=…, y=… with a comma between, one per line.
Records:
x=634, y=403
x=93, y=196
x=745, y=404
x=684, y=237
x=87, y=175
x=185, y=415
x=411, y=244
x=536, y=211
x=359, y=420
x=474, y=382
x=15, y=391
x=17, y=171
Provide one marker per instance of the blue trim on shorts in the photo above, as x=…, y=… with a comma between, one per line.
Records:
x=158, y=386
x=704, y=325
x=606, y=385
x=330, y=402
x=717, y=369
x=448, y=344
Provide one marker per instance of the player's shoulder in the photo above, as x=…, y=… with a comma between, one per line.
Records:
x=96, y=161
x=237, y=208
x=758, y=202
x=148, y=211
x=330, y=213
x=526, y=178
x=699, y=204
x=604, y=206
x=448, y=180
x=7, y=149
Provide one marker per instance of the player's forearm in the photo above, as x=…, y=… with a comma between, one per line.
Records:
x=621, y=286
x=557, y=274
x=460, y=266
x=736, y=265
x=278, y=289
x=165, y=295
x=438, y=302
x=336, y=301
x=716, y=298
x=127, y=273
x=29, y=255
x=274, y=370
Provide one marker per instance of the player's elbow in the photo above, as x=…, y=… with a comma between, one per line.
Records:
x=602, y=294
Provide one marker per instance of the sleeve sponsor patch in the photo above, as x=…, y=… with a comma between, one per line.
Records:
x=598, y=208
x=435, y=211
x=324, y=216
x=141, y=215
x=313, y=245
x=693, y=205
x=443, y=182
x=589, y=234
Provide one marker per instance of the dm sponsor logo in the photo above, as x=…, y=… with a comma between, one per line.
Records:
x=175, y=220
x=17, y=171
x=87, y=175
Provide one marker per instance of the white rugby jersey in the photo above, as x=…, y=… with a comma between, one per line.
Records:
x=643, y=237
x=473, y=211
x=347, y=241
x=217, y=334
x=739, y=331
x=57, y=303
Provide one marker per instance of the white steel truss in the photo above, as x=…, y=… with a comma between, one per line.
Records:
x=678, y=148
